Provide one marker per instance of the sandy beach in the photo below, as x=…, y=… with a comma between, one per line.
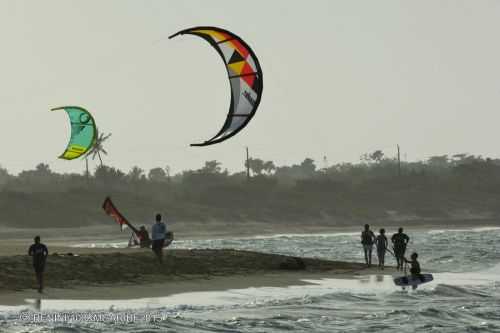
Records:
x=135, y=273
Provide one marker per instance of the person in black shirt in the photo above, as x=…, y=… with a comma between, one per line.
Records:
x=39, y=253
x=415, y=266
x=367, y=240
x=399, y=241
x=381, y=242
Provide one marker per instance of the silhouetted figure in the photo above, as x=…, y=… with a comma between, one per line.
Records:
x=382, y=243
x=367, y=239
x=39, y=252
x=143, y=235
x=399, y=241
x=415, y=267
x=158, y=232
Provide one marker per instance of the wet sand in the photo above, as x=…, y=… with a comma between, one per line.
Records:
x=135, y=273
x=131, y=292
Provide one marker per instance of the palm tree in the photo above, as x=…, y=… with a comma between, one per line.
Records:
x=98, y=148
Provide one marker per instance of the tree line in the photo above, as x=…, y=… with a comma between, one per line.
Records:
x=438, y=187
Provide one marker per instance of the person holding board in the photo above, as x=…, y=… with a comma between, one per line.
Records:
x=158, y=233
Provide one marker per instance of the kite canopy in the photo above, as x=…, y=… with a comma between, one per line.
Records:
x=245, y=77
x=111, y=210
x=83, y=132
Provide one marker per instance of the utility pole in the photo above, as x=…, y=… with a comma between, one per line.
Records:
x=248, y=165
x=399, y=162
x=167, y=172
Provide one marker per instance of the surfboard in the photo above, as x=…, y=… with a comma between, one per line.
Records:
x=405, y=281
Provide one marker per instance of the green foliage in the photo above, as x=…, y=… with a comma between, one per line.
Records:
x=258, y=166
x=157, y=175
x=436, y=188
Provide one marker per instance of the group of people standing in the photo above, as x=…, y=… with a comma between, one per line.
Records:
x=399, y=242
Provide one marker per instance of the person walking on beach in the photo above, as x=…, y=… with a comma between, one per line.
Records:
x=399, y=241
x=381, y=242
x=367, y=239
x=158, y=232
x=39, y=252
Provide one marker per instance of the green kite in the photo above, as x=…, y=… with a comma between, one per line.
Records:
x=83, y=132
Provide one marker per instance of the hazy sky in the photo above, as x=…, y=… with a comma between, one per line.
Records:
x=341, y=78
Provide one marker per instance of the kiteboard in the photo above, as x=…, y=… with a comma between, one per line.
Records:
x=410, y=280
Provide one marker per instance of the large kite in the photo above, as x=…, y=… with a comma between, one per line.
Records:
x=83, y=132
x=245, y=77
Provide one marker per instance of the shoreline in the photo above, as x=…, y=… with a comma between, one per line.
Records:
x=15, y=241
x=131, y=292
x=97, y=270
x=121, y=275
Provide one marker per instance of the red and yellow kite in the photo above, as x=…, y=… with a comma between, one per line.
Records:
x=245, y=76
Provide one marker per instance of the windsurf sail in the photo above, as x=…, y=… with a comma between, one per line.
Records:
x=83, y=132
x=245, y=77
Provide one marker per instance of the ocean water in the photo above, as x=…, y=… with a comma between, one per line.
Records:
x=464, y=297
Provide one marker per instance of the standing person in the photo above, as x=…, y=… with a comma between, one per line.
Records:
x=367, y=239
x=158, y=232
x=399, y=241
x=382, y=243
x=39, y=252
